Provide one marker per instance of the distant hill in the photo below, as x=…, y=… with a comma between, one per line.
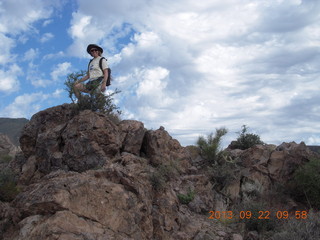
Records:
x=12, y=128
x=314, y=148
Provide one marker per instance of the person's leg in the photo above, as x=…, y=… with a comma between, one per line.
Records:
x=79, y=87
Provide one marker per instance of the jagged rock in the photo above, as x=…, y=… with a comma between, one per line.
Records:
x=91, y=196
x=236, y=237
x=8, y=217
x=88, y=141
x=287, y=158
x=253, y=235
x=84, y=177
x=43, y=122
x=133, y=134
x=264, y=165
x=57, y=138
x=160, y=147
x=204, y=195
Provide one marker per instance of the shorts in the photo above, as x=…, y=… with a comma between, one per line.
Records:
x=95, y=84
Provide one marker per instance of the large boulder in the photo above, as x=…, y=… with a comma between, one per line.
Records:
x=133, y=133
x=43, y=122
x=88, y=141
x=117, y=201
x=62, y=138
x=160, y=147
x=265, y=166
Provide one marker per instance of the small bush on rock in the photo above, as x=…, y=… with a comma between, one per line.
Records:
x=8, y=185
x=256, y=216
x=306, y=186
x=297, y=229
x=185, y=199
x=246, y=140
x=5, y=159
x=162, y=174
x=94, y=101
x=210, y=146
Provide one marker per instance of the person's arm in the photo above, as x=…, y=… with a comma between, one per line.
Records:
x=86, y=77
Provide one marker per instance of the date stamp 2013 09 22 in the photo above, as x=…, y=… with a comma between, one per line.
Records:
x=260, y=215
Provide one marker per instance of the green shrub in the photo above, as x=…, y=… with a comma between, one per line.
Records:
x=71, y=79
x=98, y=102
x=297, y=229
x=8, y=185
x=157, y=181
x=210, y=146
x=306, y=184
x=163, y=174
x=261, y=217
x=246, y=140
x=5, y=159
x=185, y=199
x=95, y=101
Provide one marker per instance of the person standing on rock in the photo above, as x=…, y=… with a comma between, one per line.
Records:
x=97, y=73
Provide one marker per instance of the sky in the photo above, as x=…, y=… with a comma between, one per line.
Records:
x=189, y=66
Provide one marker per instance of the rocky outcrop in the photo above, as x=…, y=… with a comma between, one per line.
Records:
x=82, y=176
x=86, y=177
x=264, y=166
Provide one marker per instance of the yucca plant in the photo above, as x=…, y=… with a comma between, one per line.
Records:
x=210, y=146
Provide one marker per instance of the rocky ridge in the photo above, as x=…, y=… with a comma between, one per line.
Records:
x=82, y=176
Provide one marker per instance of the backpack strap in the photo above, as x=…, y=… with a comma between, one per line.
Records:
x=89, y=64
x=109, y=71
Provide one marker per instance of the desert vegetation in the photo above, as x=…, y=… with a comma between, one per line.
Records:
x=210, y=146
x=94, y=100
x=245, y=139
x=8, y=180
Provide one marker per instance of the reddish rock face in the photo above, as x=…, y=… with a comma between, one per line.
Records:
x=264, y=166
x=85, y=177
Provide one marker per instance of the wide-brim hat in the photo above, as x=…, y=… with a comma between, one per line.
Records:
x=94, y=46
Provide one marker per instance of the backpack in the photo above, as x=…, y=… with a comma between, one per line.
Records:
x=109, y=70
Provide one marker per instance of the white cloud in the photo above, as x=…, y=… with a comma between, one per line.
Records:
x=313, y=140
x=25, y=105
x=59, y=54
x=18, y=15
x=28, y=104
x=47, y=22
x=62, y=69
x=46, y=37
x=201, y=65
x=6, y=45
x=57, y=93
x=16, y=23
x=9, y=79
x=31, y=54
x=36, y=76
x=152, y=82
x=191, y=66
x=82, y=23
x=84, y=32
